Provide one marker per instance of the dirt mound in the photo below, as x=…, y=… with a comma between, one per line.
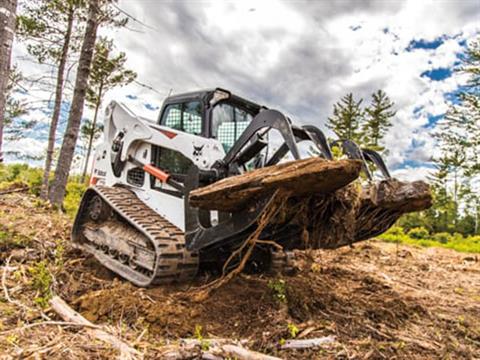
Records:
x=332, y=301
x=378, y=300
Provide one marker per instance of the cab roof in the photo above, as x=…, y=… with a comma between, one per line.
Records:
x=205, y=96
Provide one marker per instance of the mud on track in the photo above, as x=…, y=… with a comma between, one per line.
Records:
x=378, y=300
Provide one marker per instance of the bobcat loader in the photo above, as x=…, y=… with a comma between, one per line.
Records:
x=136, y=217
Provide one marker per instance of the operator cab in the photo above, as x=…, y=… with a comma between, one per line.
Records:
x=216, y=114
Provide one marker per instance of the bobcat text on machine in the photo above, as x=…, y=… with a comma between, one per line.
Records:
x=136, y=219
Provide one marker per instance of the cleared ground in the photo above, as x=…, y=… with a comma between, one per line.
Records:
x=379, y=300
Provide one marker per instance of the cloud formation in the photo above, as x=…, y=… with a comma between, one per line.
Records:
x=301, y=57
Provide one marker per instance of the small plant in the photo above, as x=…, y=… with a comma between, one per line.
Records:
x=316, y=268
x=10, y=240
x=279, y=290
x=204, y=344
x=74, y=192
x=292, y=330
x=41, y=281
x=442, y=237
x=418, y=233
x=12, y=339
x=396, y=230
x=59, y=251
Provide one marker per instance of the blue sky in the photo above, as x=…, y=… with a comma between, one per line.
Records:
x=299, y=57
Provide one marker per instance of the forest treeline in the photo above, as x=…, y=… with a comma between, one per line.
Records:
x=83, y=67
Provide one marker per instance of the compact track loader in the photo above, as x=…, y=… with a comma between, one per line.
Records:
x=171, y=196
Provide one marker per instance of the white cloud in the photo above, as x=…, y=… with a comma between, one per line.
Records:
x=28, y=147
x=412, y=173
x=300, y=57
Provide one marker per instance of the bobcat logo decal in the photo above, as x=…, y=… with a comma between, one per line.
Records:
x=197, y=150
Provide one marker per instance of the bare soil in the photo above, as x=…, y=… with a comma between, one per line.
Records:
x=379, y=300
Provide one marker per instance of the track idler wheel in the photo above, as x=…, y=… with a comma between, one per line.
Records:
x=98, y=209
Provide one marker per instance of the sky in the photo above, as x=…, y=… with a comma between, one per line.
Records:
x=299, y=57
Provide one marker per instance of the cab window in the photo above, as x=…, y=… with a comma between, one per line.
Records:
x=186, y=117
x=228, y=123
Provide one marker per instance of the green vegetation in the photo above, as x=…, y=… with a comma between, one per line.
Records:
x=421, y=237
x=20, y=174
x=204, y=343
x=9, y=240
x=24, y=175
x=456, y=177
x=41, y=281
x=292, y=330
x=366, y=125
x=73, y=196
x=279, y=290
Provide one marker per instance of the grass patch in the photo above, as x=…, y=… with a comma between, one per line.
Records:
x=74, y=193
x=11, y=240
x=41, y=281
x=421, y=237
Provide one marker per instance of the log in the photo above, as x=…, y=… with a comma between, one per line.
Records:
x=239, y=352
x=15, y=190
x=308, y=343
x=70, y=315
x=216, y=349
x=301, y=177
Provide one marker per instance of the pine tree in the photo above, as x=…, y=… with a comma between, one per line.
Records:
x=14, y=126
x=471, y=65
x=378, y=120
x=88, y=134
x=469, y=107
x=57, y=190
x=442, y=215
x=452, y=141
x=7, y=29
x=100, y=13
x=107, y=72
x=48, y=28
x=458, y=139
x=347, y=118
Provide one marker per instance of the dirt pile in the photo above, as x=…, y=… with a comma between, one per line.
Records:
x=378, y=300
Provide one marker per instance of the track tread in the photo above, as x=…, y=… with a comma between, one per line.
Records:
x=174, y=263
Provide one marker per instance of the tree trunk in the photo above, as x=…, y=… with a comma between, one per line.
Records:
x=7, y=30
x=455, y=198
x=92, y=135
x=57, y=105
x=57, y=191
x=477, y=210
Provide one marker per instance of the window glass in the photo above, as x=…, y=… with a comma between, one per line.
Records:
x=173, y=117
x=228, y=123
x=223, y=125
x=184, y=117
x=192, y=118
x=172, y=162
x=243, y=119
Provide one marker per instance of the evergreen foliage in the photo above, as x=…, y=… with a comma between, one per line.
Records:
x=346, y=119
x=108, y=71
x=378, y=117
